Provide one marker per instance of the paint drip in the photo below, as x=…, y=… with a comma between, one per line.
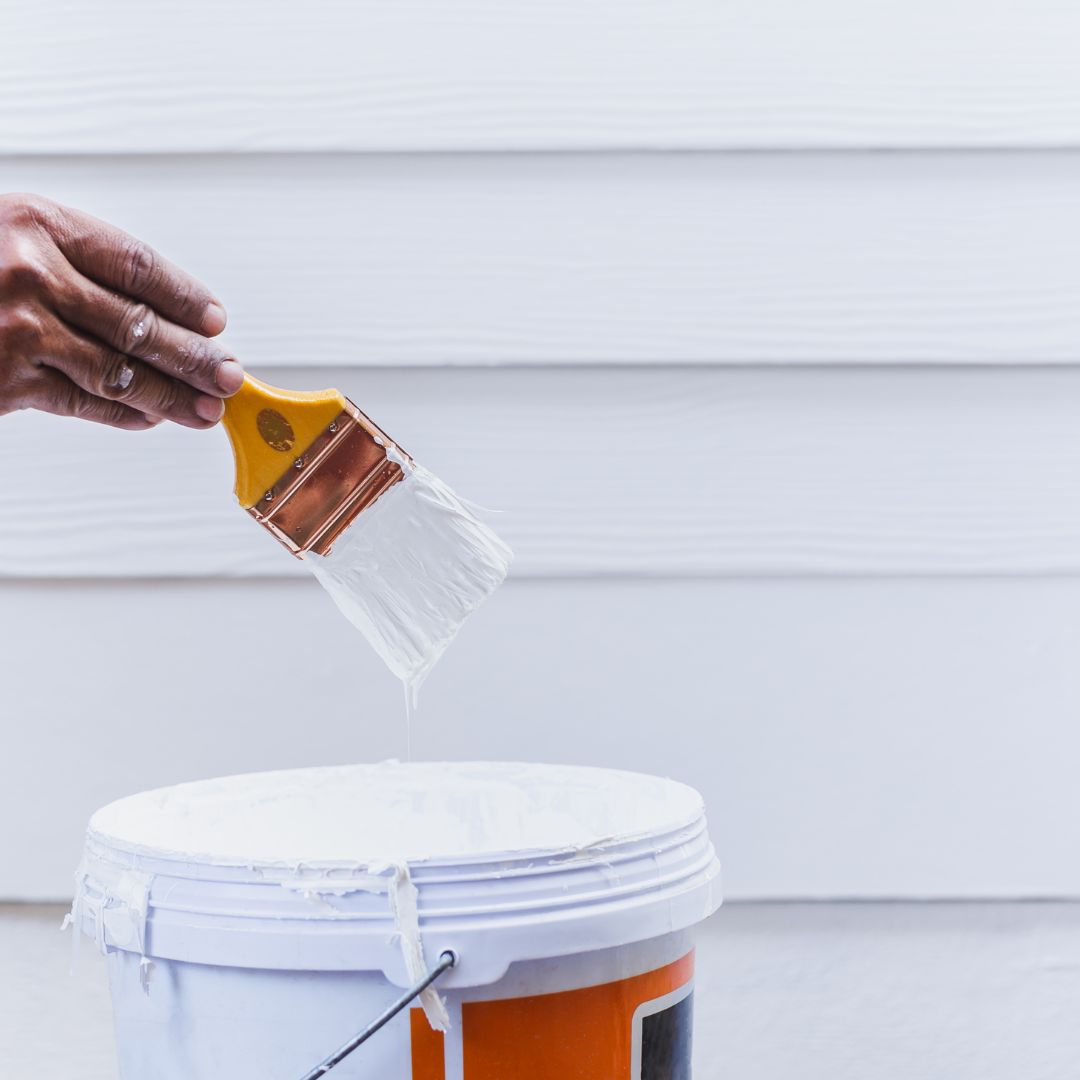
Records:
x=410, y=570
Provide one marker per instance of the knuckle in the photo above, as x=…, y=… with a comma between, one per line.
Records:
x=203, y=358
x=22, y=271
x=21, y=209
x=118, y=378
x=110, y=413
x=67, y=399
x=167, y=399
x=198, y=357
x=186, y=297
x=21, y=328
x=19, y=277
x=139, y=328
x=139, y=266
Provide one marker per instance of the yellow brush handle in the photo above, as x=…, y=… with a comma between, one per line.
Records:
x=270, y=428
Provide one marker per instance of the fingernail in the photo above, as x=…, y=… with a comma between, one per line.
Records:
x=230, y=376
x=152, y=419
x=213, y=319
x=210, y=408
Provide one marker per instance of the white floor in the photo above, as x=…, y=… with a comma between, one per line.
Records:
x=785, y=992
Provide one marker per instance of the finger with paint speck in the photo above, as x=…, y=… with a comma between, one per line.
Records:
x=96, y=324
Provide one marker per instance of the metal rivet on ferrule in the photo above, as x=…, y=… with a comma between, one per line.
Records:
x=269, y=495
x=333, y=426
x=298, y=463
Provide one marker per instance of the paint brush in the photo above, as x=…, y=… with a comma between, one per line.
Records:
x=402, y=556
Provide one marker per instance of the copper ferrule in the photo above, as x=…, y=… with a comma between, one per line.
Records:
x=339, y=475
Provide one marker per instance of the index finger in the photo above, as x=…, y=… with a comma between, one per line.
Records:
x=122, y=262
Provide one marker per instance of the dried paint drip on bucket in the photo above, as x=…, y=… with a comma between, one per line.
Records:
x=411, y=569
x=569, y=895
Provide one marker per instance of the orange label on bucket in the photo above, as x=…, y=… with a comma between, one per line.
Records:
x=635, y=1029
x=428, y=1049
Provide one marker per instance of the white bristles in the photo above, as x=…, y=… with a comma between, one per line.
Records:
x=410, y=569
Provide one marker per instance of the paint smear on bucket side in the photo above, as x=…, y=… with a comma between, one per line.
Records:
x=376, y=868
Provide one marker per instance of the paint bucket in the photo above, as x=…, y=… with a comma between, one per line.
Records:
x=253, y=924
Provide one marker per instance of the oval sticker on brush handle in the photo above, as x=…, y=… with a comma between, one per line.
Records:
x=276, y=431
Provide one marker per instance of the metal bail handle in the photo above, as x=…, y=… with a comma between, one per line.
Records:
x=446, y=961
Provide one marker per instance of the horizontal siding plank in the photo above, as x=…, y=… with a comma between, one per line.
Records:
x=689, y=259
x=621, y=471
x=199, y=76
x=861, y=738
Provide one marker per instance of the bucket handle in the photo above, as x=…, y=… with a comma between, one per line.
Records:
x=447, y=960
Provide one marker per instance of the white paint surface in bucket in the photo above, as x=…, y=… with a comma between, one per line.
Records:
x=410, y=570
x=311, y=895
x=362, y=815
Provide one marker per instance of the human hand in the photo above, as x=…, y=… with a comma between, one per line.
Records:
x=95, y=324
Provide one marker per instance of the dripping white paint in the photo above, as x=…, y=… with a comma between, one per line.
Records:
x=411, y=569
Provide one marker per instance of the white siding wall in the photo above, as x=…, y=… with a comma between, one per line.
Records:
x=788, y=440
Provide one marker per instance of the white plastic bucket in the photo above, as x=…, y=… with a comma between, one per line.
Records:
x=254, y=924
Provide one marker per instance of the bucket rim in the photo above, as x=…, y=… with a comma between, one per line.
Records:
x=494, y=907
x=695, y=810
